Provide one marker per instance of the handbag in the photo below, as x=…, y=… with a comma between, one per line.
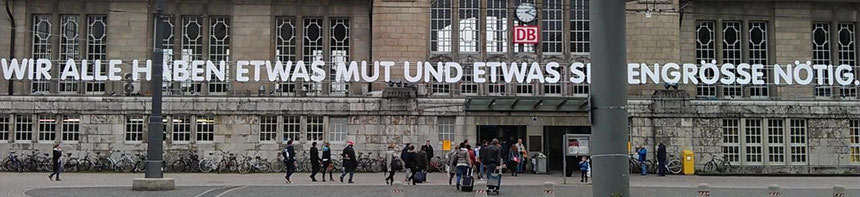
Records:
x=330, y=167
x=516, y=159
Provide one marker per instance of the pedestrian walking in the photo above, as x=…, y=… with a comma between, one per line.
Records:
x=315, y=162
x=523, y=156
x=584, y=166
x=289, y=154
x=462, y=162
x=326, y=161
x=404, y=155
x=393, y=164
x=479, y=164
x=57, y=154
x=450, y=168
x=491, y=157
x=514, y=160
x=411, y=163
x=642, y=152
x=661, y=159
x=349, y=161
x=428, y=149
x=421, y=164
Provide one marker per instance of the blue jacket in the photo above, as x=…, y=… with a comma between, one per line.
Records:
x=583, y=166
x=642, y=153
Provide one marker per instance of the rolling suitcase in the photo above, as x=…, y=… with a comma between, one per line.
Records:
x=494, y=180
x=467, y=183
x=420, y=177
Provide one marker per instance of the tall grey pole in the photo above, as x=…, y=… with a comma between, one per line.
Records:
x=154, y=144
x=609, y=97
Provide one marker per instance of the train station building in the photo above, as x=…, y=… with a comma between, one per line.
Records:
x=760, y=128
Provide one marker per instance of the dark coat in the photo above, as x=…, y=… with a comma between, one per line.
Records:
x=327, y=154
x=409, y=159
x=290, y=154
x=491, y=155
x=661, y=152
x=421, y=160
x=57, y=154
x=315, y=157
x=349, y=159
x=429, y=150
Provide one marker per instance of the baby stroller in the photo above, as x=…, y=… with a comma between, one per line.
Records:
x=494, y=180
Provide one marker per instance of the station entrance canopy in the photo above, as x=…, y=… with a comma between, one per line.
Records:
x=526, y=104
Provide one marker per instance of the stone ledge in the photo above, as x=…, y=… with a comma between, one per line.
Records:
x=153, y=184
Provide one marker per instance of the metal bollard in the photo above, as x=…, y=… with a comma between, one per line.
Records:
x=704, y=189
x=395, y=189
x=549, y=189
x=838, y=191
x=773, y=190
x=481, y=189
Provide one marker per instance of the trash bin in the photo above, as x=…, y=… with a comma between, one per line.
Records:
x=689, y=165
x=539, y=163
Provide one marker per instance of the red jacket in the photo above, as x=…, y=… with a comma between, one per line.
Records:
x=472, y=156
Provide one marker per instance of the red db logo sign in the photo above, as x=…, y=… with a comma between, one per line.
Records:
x=526, y=34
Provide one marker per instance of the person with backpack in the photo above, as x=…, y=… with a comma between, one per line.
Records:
x=462, y=163
x=452, y=171
x=584, y=166
x=326, y=162
x=289, y=160
x=393, y=164
x=315, y=162
x=350, y=162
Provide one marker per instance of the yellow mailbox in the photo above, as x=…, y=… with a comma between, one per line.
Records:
x=689, y=165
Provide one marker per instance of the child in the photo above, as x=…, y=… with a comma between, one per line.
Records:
x=584, y=167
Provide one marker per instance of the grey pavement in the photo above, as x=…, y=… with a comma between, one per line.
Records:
x=371, y=184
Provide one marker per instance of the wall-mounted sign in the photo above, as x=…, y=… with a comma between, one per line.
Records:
x=526, y=34
x=424, y=72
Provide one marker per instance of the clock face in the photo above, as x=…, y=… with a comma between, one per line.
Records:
x=526, y=12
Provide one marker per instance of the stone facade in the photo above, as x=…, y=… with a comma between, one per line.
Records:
x=659, y=31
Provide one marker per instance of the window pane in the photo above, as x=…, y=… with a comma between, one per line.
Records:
x=69, y=48
x=758, y=41
x=440, y=26
x=339, y=129
x=167, y=43
x=219, y=50
x=205, y=128
x=268, y=128
x=705, y=51
x=71, y=127
x=797, y=140
x=315, y=128
x=134, y=128
x=23, y=128
x=497, y=26
x=181, y=128
x=731, y=55
x=580, y=41
x=821, y=55
x=753, y=141
x=285, y=44
x=339, y=51
x=47, y=127
x=775, y=141
x=292, y=128
x=551, y=26
x=97, y=36
x=445, y=128
x=4, y=127
x=192, y=48
x=469, y=23
x=854, y=146
x=41, y=49
x=313, y=49
x=847, y=56
x=731, y=143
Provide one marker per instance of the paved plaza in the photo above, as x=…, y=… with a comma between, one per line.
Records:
x=371, y=184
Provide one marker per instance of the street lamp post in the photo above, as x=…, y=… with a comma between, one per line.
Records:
x=609, y=97
x=154, y=144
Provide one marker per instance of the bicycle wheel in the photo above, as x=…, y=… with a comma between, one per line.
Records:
x=675, y=167
x=263, y=167
x=205, y=166
x=124, y=166
x=84, y=165
x=710, y=167
x=179, y=166
x=8, y=165
x=244, y=168
x=276, y=166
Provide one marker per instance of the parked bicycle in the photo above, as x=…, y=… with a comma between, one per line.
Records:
x=255, y=164
x=719, y=165
x=71, y=163
x=210, y=163
x=189, y=163
x=438, y=164
x=12, y=163
x=228, y=163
